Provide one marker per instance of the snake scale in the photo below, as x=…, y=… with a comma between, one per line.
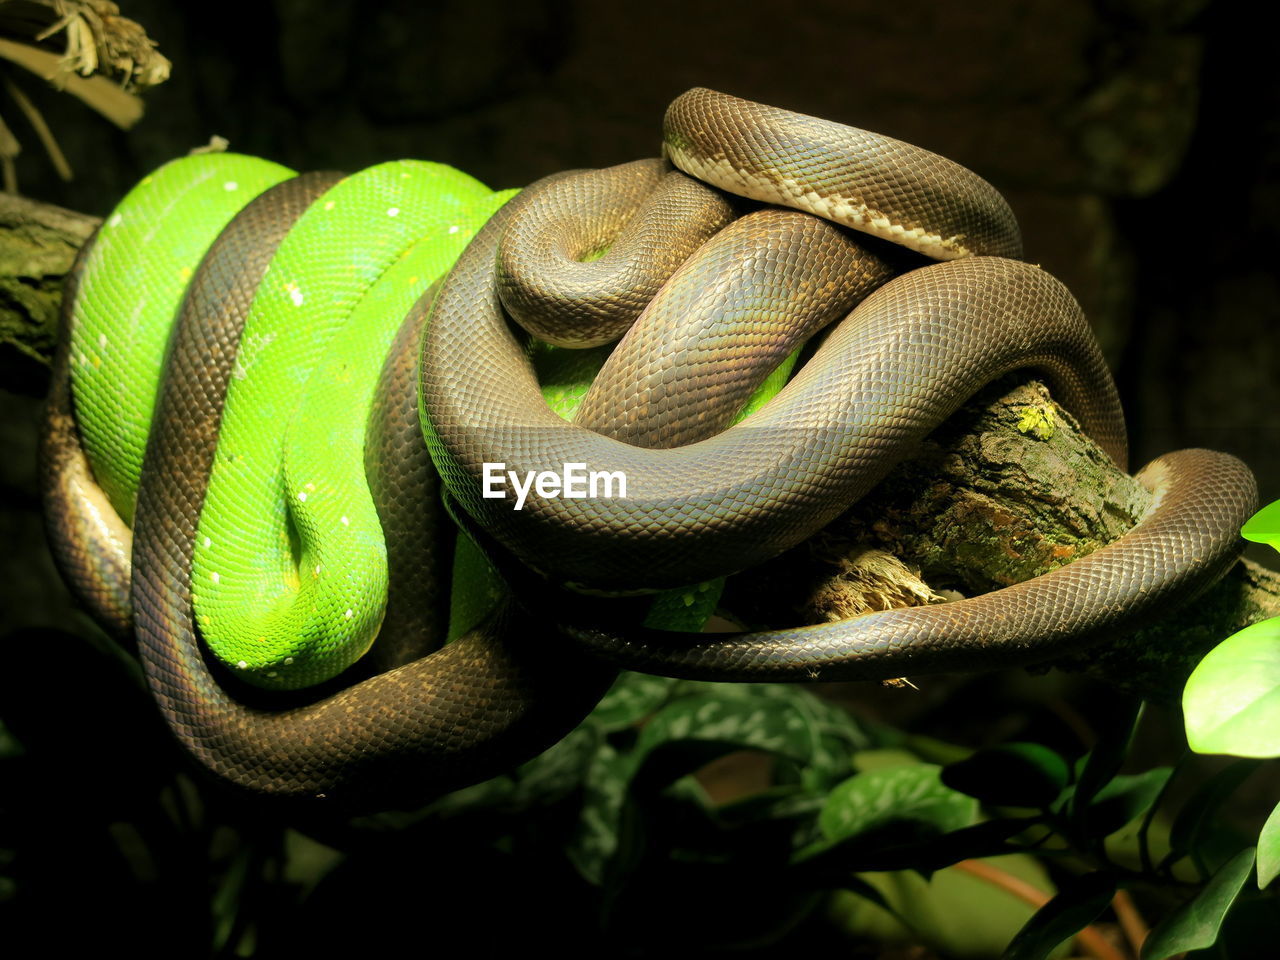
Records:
x=713, y=264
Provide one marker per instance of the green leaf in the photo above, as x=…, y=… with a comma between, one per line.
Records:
x=632, y=697
x=831, y=761
x=740, y=691
x=307, y=860
x=877, y=798
x=1269, y=849
x=685, y=608
x=557, y=771
x=598, y=836
x=1264, y=526
x=832, y=719
x=860, y=887
x=1074, y=908
x=492, y=793
x=1195, y=924
x=692, y=731
x=786, y=802
x=755, y=724
x=930, y=748
x=228, y=899
x=839, y=736
x=1123, y=800
x=1011, y=774
x=954, y=913
x=881, y=758
x=986, y=839
x=1103, y=761
x=1232, y=699
x=9, y=744
x=907, y=845
x=817, y=737
x=929, y=853
x=548, y=777
x=1199, y=814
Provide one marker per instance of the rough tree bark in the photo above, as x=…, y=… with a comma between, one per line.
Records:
x=1008, y=488
x=1005, y=490
x=37, y=244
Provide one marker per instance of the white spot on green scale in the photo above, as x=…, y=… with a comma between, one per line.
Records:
x=243, y=665
x=115, y=220
x=295, y=295
x=454, y=229
x=302, y=496
x=102, y=339
x=346, y=522
x=208, y=542
x=393, y=211
x=328, y=205
x=215, y=577
x=349, y=614
x=230, y=185
x=288, y=661
x=317, y=569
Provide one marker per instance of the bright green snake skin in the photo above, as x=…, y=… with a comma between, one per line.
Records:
x=130, y=297
x=290, y=573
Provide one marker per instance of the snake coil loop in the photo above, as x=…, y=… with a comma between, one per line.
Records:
x=703, y=498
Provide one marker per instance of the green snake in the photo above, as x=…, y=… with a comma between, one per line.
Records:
x=702, y=501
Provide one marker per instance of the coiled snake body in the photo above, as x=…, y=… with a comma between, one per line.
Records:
x=702, y=501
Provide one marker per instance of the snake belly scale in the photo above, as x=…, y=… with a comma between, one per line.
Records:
x=703, y=501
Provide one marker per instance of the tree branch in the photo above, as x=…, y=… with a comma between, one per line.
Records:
x=38, y=243
x=1007, y=489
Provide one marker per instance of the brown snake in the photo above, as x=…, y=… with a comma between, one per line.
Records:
x=901, y=362
x=466, y=712
x=710, y=503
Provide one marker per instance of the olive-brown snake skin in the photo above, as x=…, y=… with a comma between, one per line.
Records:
x=900, y=364
x=466, y=712
x=705, y=501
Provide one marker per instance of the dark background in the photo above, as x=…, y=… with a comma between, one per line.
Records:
x=1137, y=140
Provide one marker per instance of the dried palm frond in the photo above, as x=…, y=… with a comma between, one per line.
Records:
x=103, y=60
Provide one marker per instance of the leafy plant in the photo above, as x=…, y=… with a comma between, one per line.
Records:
x=835, y=828
x=1232, y=699
x=848, y=827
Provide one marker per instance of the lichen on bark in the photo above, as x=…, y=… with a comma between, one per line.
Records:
x=986, y=502
x=990, y=498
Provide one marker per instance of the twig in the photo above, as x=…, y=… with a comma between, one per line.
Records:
x=9, y=150
x=1135, y=928
x=121, y=108
x=36, y=119
x=1090, y=938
